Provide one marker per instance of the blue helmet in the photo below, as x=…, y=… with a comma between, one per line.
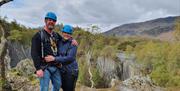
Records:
x=51, y=15
x=67, y=29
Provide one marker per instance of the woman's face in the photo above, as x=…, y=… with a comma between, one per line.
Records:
x=66, y=35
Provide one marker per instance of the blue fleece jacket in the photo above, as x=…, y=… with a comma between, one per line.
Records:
x=67, y=57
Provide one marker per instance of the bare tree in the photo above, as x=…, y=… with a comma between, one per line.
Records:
x=4, y=2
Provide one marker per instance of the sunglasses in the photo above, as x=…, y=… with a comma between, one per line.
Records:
x=67, y=33
x=49, y=19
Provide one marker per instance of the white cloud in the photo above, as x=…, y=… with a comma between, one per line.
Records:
x=104, y=12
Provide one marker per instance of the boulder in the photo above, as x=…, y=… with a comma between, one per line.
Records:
x=139, y=83
x=25, y=67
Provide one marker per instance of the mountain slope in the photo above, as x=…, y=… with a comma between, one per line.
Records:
x=153, y=27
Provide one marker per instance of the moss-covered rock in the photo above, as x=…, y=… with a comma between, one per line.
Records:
x=25, y=67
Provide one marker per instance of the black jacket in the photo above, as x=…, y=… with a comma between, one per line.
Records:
x=36, y=52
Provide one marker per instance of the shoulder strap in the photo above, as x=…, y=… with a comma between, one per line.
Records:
x=42, y=44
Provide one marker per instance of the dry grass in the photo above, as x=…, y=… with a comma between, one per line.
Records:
x=173, y=89
x=80, y=87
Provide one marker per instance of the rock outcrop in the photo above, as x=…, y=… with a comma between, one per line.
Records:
x=139, y=83
x=22, y=78
x=109, y=68
x=18, y=52
x=25, y=67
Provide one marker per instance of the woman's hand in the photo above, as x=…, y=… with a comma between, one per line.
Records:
x=49, y=58
x=74, y=42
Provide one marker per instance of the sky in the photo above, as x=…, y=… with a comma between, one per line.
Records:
x=104, y=13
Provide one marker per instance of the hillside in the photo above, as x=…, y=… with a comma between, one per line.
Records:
x=151, y=28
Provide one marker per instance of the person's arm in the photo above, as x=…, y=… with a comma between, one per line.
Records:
x=71, y=56
x=36, y=51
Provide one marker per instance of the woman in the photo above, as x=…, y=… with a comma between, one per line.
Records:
x=67, y=57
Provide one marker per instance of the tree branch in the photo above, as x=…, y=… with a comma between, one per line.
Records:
x=4, y=2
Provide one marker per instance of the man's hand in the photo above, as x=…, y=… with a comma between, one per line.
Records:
x=40, y=73
x=49, y=58
x=74, y=42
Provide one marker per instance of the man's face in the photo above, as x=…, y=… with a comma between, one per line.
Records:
x=50, y=24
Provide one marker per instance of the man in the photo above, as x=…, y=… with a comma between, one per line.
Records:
x=44, y=43
x=67, y=57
